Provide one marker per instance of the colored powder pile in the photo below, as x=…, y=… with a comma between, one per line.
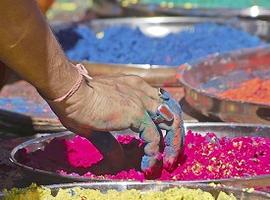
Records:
x=255, y=90
x=34, y=192
x=188, y=4
x=75, y=153
x=206, y=157
x=125, y=45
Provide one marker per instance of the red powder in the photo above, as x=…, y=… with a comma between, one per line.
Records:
x=206, y=157
x=255, y=90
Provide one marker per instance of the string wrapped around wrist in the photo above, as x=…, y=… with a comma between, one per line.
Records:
x=83, y=75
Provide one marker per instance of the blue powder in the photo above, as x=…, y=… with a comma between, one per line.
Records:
x=126, y=45
x=25, y=107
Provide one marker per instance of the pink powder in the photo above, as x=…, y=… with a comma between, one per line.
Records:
x=206, y=157
x=82, y=153
x=64, y=155
x=127, y=139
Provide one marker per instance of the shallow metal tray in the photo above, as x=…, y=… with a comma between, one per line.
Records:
x=240, y=194
x=155, y=10
x=204, y=79
x=221, y=129
x=166, y=25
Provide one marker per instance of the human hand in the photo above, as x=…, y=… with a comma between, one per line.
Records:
x=114, y=104
x=175, y=133
x=102, y=107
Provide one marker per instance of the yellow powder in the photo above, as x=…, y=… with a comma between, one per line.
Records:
x=35, y=192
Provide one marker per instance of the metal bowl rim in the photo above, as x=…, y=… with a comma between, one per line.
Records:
x=156, y=20
x=147, y=183
x=206, y=12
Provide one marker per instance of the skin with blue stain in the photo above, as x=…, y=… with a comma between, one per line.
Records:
x=151, y=163
x=173, y=140
x=175, y=135
x=120, y=44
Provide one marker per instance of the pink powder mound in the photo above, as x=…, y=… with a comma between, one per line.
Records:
x=63, y=154
x=206, y=157
x=81, y=152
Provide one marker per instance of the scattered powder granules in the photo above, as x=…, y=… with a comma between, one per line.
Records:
x=206, y=157
x=255, y=90
x=35, y=192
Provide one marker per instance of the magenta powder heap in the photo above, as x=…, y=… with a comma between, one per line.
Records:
x=206, y=157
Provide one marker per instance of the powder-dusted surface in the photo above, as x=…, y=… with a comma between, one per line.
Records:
x=20, y=97
x=34, y=192
x=206, y=157
x=255, y=90
x=26, y=107
x=121, y=44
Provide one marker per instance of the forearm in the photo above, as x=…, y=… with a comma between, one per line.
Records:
x=2, y=75
x=29, y=48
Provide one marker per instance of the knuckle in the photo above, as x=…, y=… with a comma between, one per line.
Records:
x=118, y=86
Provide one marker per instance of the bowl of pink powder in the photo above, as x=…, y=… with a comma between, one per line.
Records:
x=232, y=154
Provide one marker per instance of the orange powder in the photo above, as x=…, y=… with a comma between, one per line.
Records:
x=255, y=90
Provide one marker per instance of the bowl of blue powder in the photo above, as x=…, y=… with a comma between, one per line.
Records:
x=161, y=41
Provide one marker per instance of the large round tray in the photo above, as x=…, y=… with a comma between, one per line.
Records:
x=240, y=194
x=202, y=80
x=221, y=129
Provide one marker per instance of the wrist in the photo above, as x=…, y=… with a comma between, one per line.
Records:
x=60, y=80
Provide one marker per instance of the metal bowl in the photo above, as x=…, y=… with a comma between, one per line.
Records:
x=240, y=194
x=221, y=129
x=203, y=80
x=142, y=9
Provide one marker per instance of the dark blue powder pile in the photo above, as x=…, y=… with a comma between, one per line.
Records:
x=126, y=45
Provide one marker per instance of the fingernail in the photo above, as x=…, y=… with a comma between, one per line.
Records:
x=165, y=112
